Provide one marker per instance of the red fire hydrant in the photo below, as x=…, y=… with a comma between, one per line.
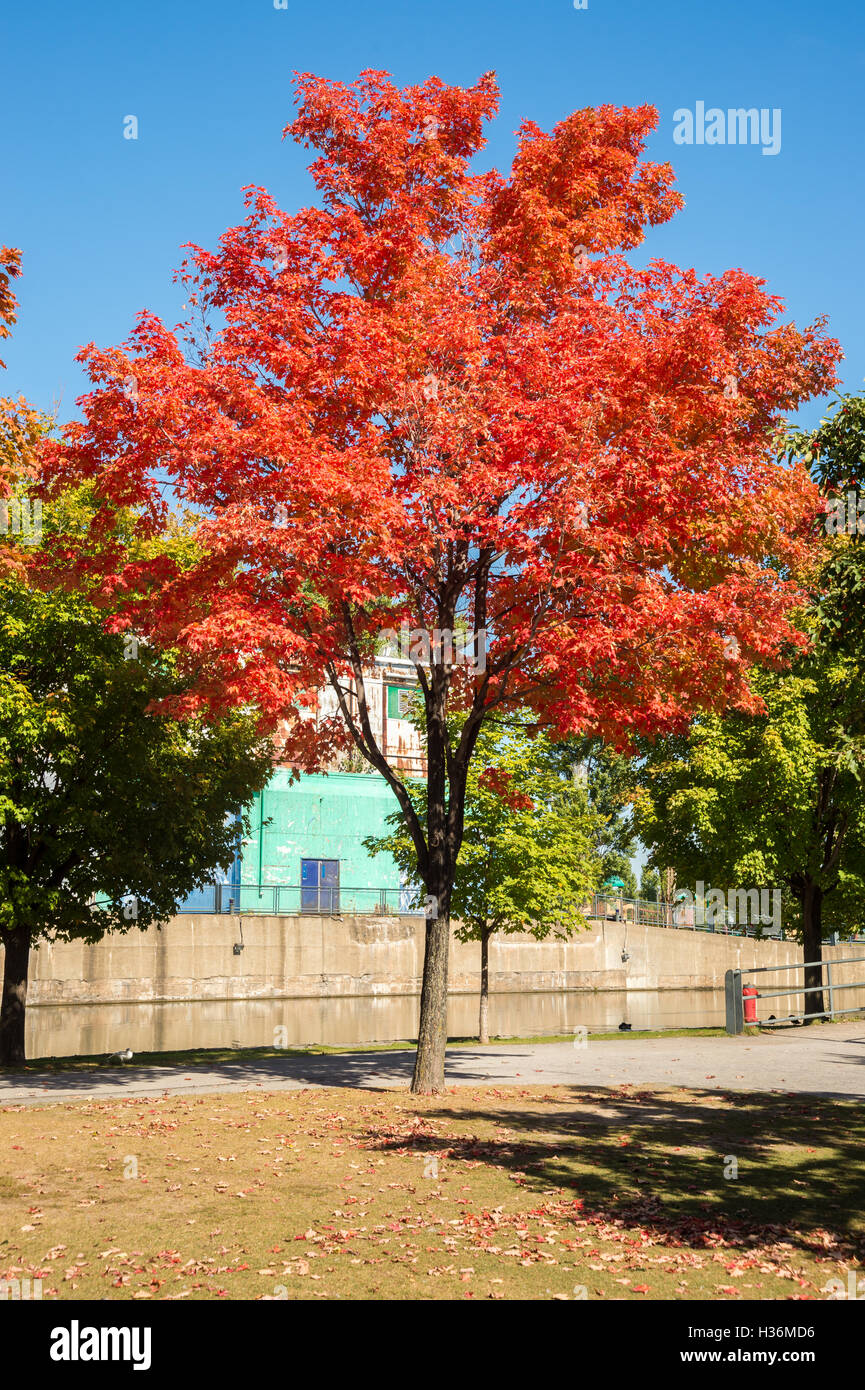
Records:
x=750, y=995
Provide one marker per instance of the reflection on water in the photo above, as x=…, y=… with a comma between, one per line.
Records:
x=62, y=1030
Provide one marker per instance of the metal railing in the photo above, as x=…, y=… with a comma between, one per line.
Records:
x=735, y=1001
x=298, y=900
x=612, y=908
x=295, y=900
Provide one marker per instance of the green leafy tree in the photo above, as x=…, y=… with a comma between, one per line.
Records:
x=778, y=798
x=774, y=799
x=835, y=452
x=110, y=812
x=619, y=870
x=609, y=778
x=529, y=857
x=650, y=884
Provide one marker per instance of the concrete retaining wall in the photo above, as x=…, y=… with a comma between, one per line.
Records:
x=191, y=958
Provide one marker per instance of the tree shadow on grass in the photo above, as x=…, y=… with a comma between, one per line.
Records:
x=293, y=1067
x=657, y=1163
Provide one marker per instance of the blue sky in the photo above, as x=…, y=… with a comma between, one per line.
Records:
x=100, y=219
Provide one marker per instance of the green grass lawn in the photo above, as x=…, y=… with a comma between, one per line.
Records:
x=507, y=1192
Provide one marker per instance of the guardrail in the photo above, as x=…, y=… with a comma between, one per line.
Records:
x=675, y=916
x=295, y=899
x=298, y=900
x=735, y=1000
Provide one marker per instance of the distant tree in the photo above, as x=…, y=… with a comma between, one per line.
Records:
x=618, y=866
x=529, y=857
x=609, y=779
x=650, y=884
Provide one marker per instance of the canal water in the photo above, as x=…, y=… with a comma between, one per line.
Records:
x=63, y=1030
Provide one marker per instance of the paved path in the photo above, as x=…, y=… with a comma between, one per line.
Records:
x=827, y=1060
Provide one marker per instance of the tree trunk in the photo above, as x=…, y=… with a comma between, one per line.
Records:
x=484, y=1017
x=812, y=946
x=668, y=891
x=12, y=1010
x=429, y=1065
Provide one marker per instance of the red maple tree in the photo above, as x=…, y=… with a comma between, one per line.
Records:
x=444, y=397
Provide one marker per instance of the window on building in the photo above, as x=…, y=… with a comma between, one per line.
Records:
x=398, y=700
x=319, y=885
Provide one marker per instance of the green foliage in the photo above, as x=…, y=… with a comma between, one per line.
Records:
x=779, y=799
x=618, y=871
x=835, y=453
x=610, y=782
x=100, y=796
x=769, y=800
x=650, y=884
x=835, y=450
x=530, y=856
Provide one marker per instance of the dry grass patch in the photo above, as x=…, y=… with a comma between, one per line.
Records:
x=509, y=1192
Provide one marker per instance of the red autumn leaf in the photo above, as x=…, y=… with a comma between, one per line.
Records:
x=498, y=781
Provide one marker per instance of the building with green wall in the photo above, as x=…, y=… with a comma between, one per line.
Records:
x=305, y=850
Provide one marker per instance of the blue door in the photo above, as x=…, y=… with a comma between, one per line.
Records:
x=319, y=885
